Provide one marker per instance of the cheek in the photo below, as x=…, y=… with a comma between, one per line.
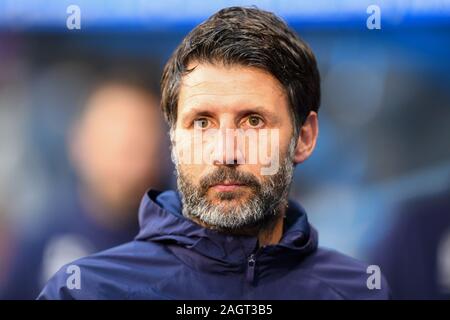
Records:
x=191, y=173
x=254, y=170
x=285, y=139
x=187, y=147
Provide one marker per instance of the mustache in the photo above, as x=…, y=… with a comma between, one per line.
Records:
x=223, y=174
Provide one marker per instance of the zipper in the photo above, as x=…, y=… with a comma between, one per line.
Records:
x=251, y=262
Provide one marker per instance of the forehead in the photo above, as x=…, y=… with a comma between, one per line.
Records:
x=229, y=87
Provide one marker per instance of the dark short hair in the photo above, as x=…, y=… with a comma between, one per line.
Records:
x=248, y=37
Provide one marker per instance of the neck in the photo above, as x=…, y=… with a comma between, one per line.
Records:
x=272, y=234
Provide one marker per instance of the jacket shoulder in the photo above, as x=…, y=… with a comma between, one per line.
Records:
x=104, y=275
x=349, y=278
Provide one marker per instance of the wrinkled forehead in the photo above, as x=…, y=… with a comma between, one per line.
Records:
x=228, y=89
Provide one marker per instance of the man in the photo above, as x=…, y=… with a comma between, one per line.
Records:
x=230, y=232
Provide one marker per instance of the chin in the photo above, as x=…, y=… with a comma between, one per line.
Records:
x=232, y=198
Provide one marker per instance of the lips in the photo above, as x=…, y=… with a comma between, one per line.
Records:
x=227, y=186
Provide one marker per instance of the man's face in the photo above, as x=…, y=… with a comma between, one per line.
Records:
x=222, y=106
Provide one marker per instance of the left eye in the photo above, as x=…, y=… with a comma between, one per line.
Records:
x=254, y=121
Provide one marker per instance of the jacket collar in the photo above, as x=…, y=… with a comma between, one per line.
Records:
x=161, y=220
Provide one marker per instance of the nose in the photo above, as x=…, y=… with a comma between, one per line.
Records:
x=226, y=150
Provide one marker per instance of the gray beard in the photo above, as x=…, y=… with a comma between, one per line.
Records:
x=268, y=196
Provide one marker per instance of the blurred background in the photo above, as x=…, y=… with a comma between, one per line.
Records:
x=81, y=135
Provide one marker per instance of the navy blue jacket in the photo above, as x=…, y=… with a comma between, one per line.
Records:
x=175, y=258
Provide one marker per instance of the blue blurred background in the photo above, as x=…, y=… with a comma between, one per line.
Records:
x=376, y=188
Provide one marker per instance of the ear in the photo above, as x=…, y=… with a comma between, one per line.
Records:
x=307, y=138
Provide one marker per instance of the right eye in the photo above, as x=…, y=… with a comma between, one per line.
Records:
x=202, y=123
